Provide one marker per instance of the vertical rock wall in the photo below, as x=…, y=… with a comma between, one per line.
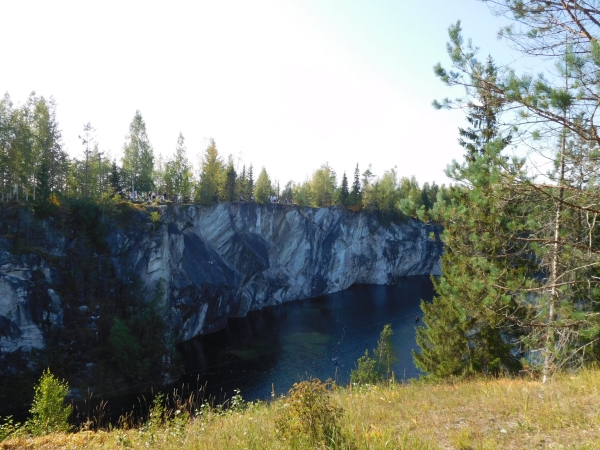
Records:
x=225, y=260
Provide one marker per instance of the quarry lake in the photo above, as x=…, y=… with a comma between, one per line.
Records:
x=275, y=347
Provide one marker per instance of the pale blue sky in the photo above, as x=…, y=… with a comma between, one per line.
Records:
x=285, y=84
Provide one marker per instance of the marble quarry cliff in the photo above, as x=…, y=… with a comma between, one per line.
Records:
x=219, y=262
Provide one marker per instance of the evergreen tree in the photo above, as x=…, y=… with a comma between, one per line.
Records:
x=482, y=114
x=531, y=274
x=356, y=193
x=230, y=179
x=115, y=178
x=366, y=190
x=344, y=190
x=467, y=328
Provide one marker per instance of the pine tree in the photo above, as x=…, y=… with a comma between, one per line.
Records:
x=344, y=190
x=521, y=270
x=482, y=114
x=230, y=179
x=115, y=178
x=472, y=325
x=355, y=198
x=467, y=330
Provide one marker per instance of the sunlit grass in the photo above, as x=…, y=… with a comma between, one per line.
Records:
x=478, y=414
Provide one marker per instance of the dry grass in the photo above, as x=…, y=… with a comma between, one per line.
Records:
x=486, y=414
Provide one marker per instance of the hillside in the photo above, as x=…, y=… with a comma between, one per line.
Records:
x=486, y=414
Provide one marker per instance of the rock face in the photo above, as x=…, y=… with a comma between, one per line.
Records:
x=27, y=301
x=218, y=262
x=225, y=260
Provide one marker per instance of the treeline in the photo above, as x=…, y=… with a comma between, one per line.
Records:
x=35, y=167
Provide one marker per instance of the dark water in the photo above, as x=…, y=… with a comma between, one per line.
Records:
x=280, y=345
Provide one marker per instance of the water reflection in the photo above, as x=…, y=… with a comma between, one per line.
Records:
x=280, y=345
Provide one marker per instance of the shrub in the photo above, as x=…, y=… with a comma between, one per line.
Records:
x=155, y=217
x=366, y=370
x=48, y=412
x=309, y=413
x=8, y=428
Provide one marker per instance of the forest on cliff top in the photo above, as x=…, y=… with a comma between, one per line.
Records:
x=34, y=167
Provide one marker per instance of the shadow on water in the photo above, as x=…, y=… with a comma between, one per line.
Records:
x=273, y=348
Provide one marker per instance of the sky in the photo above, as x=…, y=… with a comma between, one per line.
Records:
x=288, y=85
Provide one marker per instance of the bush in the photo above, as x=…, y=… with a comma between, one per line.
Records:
x=155, y=217
x=49, y=414
x=309, y=413
x=366, y=370
x=8, y=428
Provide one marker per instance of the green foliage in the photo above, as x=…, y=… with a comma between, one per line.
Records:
x=465, y=334
x=211, y=176
x=125, y=350
x=138, y=156
x=9, y=428
x=344, y=192
x=366, y=370
x=138, y=346
x=158, y=411
x=521, y=260
x=237, y=402
x=310, y=414
x=177, y=177
x=155, y=217
x=49, y=414
x=371, y=370
x=322, y=186
x=228, y=191
x=263, y=188
x=385, y=352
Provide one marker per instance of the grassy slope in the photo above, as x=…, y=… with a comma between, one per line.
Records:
x=488, y=414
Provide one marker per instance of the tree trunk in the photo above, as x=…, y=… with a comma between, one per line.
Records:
x=554, y=271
